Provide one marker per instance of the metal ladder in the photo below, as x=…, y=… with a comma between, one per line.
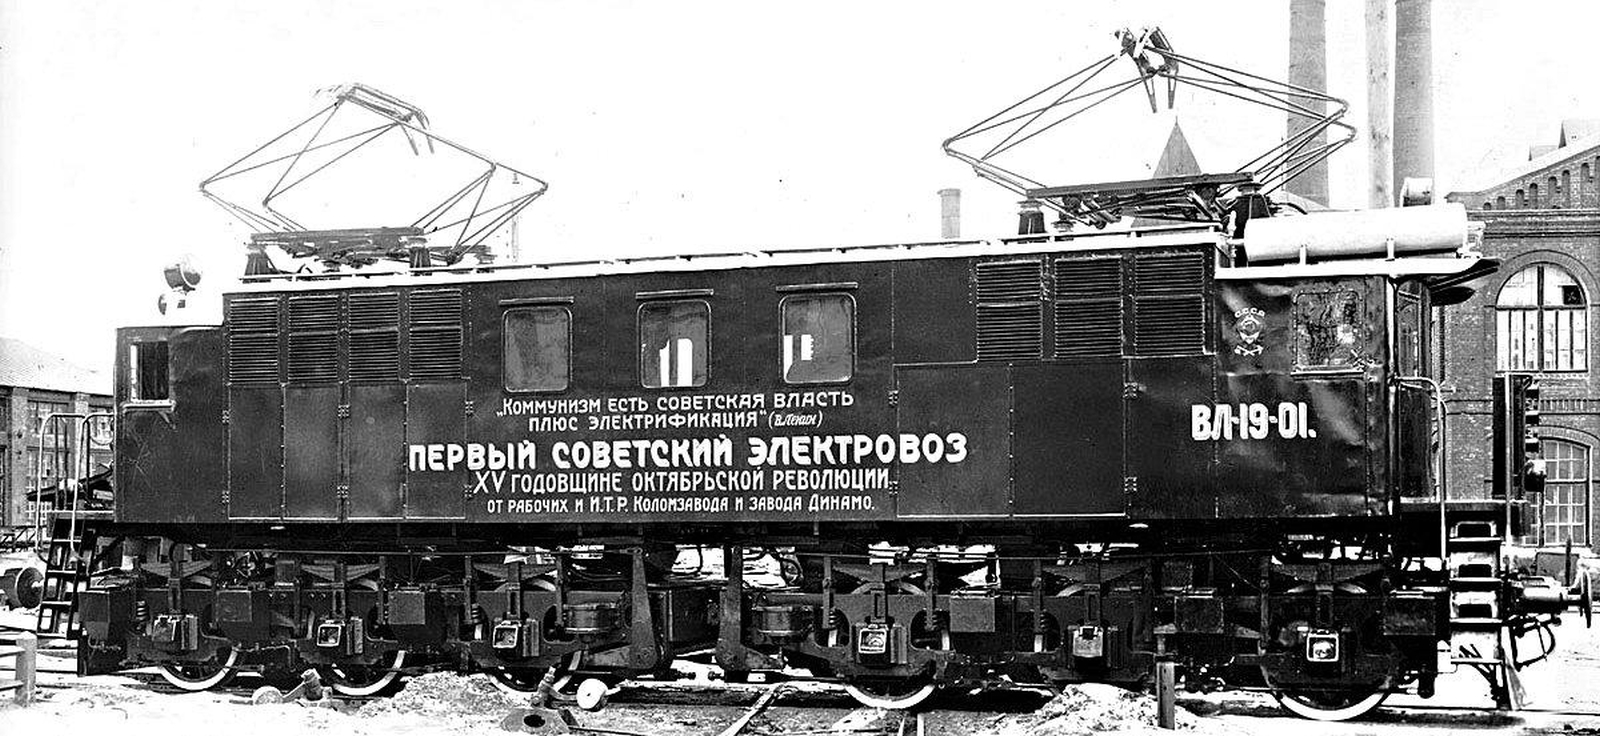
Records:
x=1476, y=532
x=65, y=576
x=64, y=541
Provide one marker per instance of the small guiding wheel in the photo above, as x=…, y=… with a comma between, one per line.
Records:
x=359, y=681
x=1330, y=705
x=193, y=677
x=517, y=679
x=890, y=694
x=527, y=679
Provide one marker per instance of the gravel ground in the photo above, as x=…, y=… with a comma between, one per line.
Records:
x=1562, y=694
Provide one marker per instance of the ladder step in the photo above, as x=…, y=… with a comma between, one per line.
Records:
x=1475, y=623
x=1477, y=660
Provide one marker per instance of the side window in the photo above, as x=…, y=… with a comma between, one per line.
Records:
x=147, y=371
x=674, y=338
x=1328, y=331
x=818, y=338
x=537, y=348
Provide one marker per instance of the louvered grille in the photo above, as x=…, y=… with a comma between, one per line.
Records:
x=253, y=341
x=314, y=313
x=441, y=307
x=375, y=337
x=375, y=311
x=253, y=314
x=314, y=338
x=375, y=356
x=1010, y=310
x=1169, y=307
x=436, y=353
x=434, y=347
x=1009, y=281
x=313, y=357
x=1088, y=307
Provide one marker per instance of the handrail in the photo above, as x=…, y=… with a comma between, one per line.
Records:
x=26, y=652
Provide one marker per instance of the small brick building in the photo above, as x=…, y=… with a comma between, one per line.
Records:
x=1536, y=315
x=33, y=385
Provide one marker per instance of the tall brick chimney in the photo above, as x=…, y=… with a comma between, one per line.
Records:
x=1308, y=68
x=1413, y=91
x=949, y=214
x=1380, y=117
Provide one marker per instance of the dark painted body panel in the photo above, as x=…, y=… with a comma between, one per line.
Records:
x=920, y=430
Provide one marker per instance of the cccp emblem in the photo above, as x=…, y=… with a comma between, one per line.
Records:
x=1247, y=324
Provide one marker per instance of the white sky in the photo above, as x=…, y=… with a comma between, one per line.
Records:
x=662, y=127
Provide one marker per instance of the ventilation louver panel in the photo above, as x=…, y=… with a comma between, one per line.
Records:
x=314, y=338
x=1088, y=307
x=375, y=337
x=375, y=311
x=253, y=324
x=1010, y=310
x=434, y=337
x=313, y=357
x=1169, y=304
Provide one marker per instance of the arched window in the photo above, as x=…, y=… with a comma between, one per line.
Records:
x=1533, y=196
x=1542, y=321
x=1566, y=187
x=1487, y=206
x=1499, y=203
x=1564, y=515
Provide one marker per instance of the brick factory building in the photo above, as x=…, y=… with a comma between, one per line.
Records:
x=35, y=384
x=1536, y=315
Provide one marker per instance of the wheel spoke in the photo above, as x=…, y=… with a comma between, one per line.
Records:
x=1331, y=705
x=898, y=695
x=194, y=677
x=365, y=681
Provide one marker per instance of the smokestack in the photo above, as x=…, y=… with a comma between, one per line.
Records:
x=1380, y=120
x=1030, y=217
x=1308, y=68
x=1413, y=90
x=949, y=214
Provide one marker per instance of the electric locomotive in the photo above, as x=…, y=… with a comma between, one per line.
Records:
x=1078, y=454
x=1207, y=444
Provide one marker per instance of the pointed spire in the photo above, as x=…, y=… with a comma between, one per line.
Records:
x=1177, y=159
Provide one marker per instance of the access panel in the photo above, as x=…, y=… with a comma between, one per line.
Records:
x=375, y=447
x=255, y=453
x=311, y=453
x=966, y=408
x=435, y=415
x=1068, y=439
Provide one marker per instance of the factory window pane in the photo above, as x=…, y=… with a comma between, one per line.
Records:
x=538, y=349
x=1328, y=331
x=818, y=338
x=1565, y=511
x=674, y=337
x=1542, y=321
x=147, y=371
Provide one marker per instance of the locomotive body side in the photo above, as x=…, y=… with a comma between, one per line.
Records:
x=1139, y=446
x=1127, y=383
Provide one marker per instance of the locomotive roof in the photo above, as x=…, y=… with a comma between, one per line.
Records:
x=1157, y=237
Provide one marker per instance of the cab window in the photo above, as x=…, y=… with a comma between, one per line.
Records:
x=1329, y=334
x=538, y=349
x=818, y=338
x=148, y=371
x=674, y=338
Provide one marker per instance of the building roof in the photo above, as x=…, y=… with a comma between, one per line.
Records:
x=26, y=366
x=1584, y=145
x=1573, y=129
